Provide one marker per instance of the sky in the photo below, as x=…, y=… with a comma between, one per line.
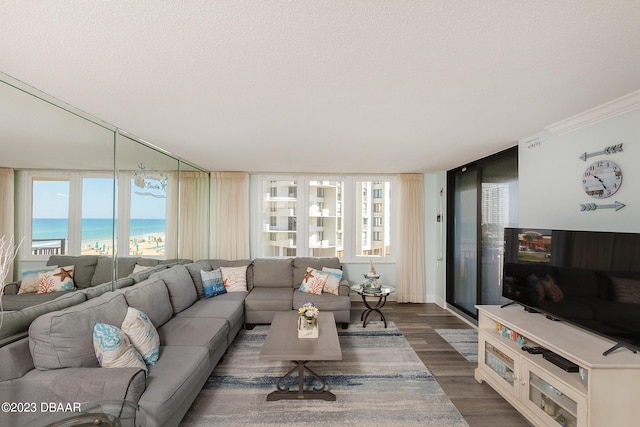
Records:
x=51, y=200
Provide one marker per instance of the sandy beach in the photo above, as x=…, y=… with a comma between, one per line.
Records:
x=149, y=245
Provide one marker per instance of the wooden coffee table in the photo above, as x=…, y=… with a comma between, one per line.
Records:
x=282, y=343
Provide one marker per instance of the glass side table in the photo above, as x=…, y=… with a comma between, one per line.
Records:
x=107, y=413
x=380, y=296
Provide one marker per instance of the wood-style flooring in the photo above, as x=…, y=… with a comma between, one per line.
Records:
x=479, y=404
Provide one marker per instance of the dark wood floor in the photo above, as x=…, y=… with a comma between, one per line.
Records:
x=479, y=404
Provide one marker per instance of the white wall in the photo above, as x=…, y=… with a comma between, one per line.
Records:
x=550, y=177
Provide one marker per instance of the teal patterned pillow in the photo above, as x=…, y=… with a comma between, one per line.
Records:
x=142, y=334
x=113, y=348
x=212, y=283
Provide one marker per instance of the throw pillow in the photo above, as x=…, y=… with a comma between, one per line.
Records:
x=113, y=348
x=234, y=278
x=138, y=268
x=313, y=281
x=60, y=279
x=142, y=334
x=551, y=290
x=212, y=283
x=29, y=279
x=626, y=290
x=536, y=287
x=333, y=281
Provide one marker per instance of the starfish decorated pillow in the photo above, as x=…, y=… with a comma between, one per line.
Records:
x=58, y=280
x=313, y=281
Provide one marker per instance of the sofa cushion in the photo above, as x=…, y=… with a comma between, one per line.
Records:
x=194, y=269
x=150, y=296
x=300, y=265
x=20, y=302
x=269, y=299
x=125, y=265
x=273, y=273
x=174, y=382
x=206, y=332
x=17, y=321
x=142, y=334
x=84, y=267
x=182, y=291
x=103, y=272
x=114, y=349
x=230, y=311
x=324, y=302
x=64, y=339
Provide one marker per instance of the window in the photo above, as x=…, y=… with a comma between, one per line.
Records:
x=71, y=214
x=337, y=219
x=278, y=207
x=147, y=215
x=50, y=216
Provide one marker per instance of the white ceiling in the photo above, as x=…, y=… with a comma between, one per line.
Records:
x=360, y=86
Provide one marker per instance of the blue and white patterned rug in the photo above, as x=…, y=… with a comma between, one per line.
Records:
x=463, y=340
x=380, y=381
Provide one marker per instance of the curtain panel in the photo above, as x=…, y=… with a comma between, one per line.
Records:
x=411, y=286
x=230, y=215
x=7, y=209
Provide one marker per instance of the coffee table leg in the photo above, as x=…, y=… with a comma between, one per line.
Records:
x=382, y=300
x=319, y=392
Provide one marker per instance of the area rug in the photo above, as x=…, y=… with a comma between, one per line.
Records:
x=463, y=340
x=380, y=381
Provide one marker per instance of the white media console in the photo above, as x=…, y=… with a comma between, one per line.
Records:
x=603, y=393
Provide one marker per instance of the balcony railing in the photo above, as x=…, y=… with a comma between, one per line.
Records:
x=48, y=246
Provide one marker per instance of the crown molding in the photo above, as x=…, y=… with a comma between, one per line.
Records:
x=606, y=111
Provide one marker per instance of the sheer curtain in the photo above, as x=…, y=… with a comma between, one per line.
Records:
x=6, y=210
x=187, y=215
x=230, y=215
x=411, y=286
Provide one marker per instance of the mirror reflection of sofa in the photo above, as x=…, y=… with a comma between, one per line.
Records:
x=607, y=302
x=58, y=361
x=91, y=278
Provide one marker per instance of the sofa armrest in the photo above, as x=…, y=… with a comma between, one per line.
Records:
x=344, y=288
x=12, y=288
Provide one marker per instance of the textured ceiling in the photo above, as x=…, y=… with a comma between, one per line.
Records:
x=326, y=86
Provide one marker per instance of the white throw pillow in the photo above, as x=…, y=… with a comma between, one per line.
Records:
x=138, y=268
x=58, y=280
x=313, y=281
x=113, y=348
x=234, y=278
x=332, y=284
x=29, y=279
x=142, y=334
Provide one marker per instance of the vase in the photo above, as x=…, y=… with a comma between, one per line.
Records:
x=307, y=323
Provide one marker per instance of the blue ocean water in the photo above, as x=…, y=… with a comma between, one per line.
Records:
x=93, y=229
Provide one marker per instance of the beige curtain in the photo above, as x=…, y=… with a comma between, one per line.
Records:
x=7, y=209
x=411, y=286
x=187, y=216
x=230, y=215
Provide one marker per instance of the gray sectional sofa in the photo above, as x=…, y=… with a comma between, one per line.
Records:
x=57, y=362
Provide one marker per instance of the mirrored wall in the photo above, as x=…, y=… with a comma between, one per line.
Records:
x=84, y=187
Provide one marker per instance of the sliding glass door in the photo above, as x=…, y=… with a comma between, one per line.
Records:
x=483, y=200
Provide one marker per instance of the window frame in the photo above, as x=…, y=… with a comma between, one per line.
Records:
x=349, y=208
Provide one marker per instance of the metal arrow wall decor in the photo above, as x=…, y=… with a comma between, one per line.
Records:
x=585, y=207
x=612, y=149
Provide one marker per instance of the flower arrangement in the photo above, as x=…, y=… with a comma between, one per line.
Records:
x=309, y=311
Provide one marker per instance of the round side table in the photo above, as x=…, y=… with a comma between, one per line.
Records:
x=381, y=299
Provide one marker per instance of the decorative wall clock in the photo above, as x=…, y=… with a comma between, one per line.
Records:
x=602, y=179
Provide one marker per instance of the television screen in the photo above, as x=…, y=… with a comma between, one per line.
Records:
x=590, y=279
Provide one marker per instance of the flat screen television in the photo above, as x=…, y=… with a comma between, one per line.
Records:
x=587, y=278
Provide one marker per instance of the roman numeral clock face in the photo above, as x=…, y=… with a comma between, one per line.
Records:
x=602, y=179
